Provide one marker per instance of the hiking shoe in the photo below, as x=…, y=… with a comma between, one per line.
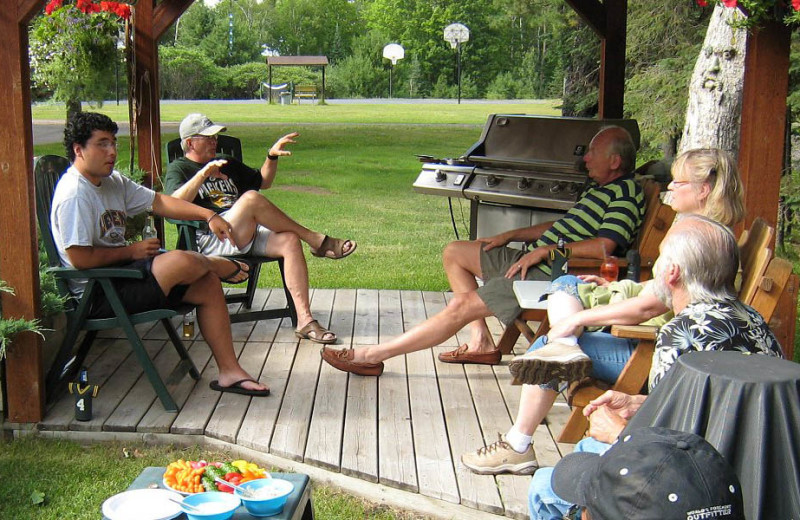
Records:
x=500, y=457
x=556, y=360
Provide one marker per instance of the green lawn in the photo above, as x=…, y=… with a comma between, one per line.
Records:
x=228, y=113
x=75, y=480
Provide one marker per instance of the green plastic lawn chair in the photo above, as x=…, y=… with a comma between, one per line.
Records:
x=47, y=170
x=187, y=240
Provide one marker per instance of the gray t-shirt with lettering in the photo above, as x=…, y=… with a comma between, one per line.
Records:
x=87, y=215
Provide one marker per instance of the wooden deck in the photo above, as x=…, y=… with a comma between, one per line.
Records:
x=404, y=430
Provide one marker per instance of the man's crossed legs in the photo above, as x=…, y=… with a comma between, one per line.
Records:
x=253, y=210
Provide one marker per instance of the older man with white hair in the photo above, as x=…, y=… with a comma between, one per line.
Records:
x=694, y=275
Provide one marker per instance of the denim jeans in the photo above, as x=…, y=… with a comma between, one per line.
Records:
x=608, y=354
x=543, y=503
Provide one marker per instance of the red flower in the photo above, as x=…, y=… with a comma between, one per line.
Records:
x=796, y=5
x=54, y=5
x=702, y=3
x=729, y=3
x=84, y=6
x=123, y=11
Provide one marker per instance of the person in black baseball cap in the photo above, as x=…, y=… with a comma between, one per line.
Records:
x=651, y=474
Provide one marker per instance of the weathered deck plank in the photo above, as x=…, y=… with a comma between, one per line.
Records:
x=231, y=409
x=435, y=471
x=327, y=421
x=291, y=429
x=360, y=438
x=395, y=441
x=259, y=423
x=463, y=428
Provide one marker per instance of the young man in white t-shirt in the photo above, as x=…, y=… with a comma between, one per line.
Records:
x=90, y=205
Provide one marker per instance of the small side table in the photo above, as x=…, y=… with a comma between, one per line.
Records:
x=298, y=505
x=748, y=408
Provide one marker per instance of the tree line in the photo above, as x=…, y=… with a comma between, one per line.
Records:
x=517, y=49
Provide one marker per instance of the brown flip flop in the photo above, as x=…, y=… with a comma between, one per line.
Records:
x=335, y=246
x=231, y=278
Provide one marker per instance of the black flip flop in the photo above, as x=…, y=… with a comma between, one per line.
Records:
x=237, y=388
x=238, y=263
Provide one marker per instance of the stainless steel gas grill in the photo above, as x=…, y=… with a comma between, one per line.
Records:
x=523, y=170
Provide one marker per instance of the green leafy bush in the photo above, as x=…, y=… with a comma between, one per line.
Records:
x=10, y=327
x=189, y=74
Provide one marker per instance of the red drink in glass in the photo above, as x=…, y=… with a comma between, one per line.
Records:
x=609, y=269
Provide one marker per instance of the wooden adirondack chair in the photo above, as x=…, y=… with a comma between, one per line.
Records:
x=47, y=171
x=187, y=240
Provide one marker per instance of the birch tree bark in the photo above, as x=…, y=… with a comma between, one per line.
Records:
x=714, y=111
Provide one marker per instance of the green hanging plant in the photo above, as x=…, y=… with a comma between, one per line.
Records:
x=756, y=12
x=10, y=327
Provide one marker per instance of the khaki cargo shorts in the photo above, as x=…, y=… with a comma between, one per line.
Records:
x=498, y=291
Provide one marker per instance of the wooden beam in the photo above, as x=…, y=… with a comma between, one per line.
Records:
x=766, y=83
x=146, y=93
x=19, y=256
x=27, y=9
x=593, y=13
x=165, y=14
x=612, y=60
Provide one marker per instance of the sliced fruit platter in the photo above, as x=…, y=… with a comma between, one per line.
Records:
x=190, y=476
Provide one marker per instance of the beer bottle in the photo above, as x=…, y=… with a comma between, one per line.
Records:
x=634, y=265
x=558, y=259
x=188, y=324
x=149, y=230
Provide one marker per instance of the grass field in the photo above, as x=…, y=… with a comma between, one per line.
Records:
x=353, y=180
x=228, y=113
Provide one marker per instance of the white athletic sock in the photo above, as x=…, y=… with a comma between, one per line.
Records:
x=518, y=441
x=569, y=340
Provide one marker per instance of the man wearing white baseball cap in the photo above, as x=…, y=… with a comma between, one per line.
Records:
x=651, y=473
x=231, y=189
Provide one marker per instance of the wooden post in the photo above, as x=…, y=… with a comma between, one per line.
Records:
x=612, y=60
x=19, y=256
x=766, y=83
x=609, y=20
x=146, y=90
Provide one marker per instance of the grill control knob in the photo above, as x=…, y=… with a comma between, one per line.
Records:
x=523, y=184
x=492, y=181
x=440, y=176
x=574, y=188
x=557, y=187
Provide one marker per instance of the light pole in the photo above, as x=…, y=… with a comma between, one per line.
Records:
x=394, y=52
x=456, y=34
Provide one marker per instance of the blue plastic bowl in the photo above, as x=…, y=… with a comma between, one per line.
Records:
x=275, y=490
x=220, y=506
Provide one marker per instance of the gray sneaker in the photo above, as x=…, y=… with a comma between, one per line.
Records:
x=556, y=360
x=500, y=457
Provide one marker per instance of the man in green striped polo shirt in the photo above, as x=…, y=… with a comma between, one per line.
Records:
x=604, y=220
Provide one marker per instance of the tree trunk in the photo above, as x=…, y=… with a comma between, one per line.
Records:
x=73, y=107
x=714, y=110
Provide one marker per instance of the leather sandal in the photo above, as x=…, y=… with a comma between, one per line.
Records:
x=315, y=332
x=333, y=248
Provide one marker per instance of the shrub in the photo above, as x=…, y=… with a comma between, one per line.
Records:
x=504, y=86
x=189, y=74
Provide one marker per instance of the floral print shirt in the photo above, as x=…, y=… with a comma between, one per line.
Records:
x=721, y=325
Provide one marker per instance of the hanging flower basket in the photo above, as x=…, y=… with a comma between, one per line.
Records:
x=756, y=12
